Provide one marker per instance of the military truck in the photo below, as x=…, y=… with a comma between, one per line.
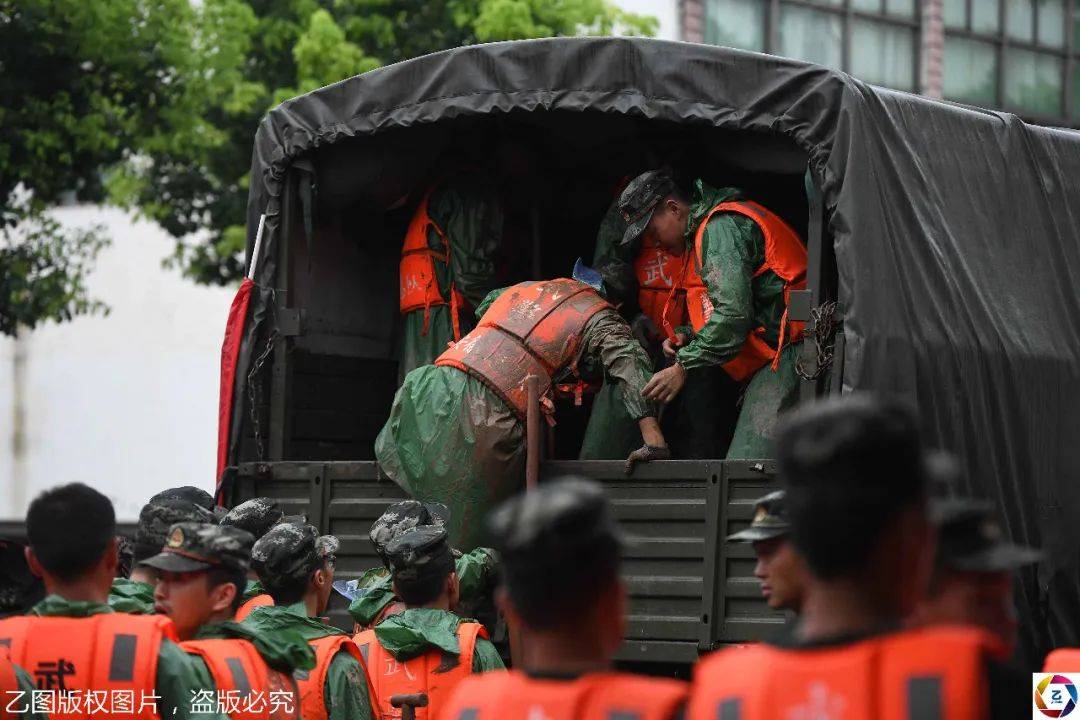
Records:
x=943, y=267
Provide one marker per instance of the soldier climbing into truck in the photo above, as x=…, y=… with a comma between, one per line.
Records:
x=456, y=432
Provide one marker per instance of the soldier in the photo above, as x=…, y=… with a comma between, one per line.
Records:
x=425, y=649
x=201, y=570
x=256, y=516
x=974, y=571
x=188, y=493
x=857, y=477
x=136, y=593
x=561, y=551
x=371, y=597
x=296, y=566
x=727, y=312
x=779, y=568
x=16, y=691
x=72, y=640
x=456, y=431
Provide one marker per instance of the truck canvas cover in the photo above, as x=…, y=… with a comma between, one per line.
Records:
x=955, y=234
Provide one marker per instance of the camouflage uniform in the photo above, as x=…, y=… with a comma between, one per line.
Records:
x=188, y=493
x=290, y=553
x=155, y=519
x=194, y=547
x=371, y=597
x=415, y=555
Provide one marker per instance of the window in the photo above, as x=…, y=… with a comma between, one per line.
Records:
x=883, y=54
x=875, y=40
x=736, y=23
x=1033, y=82
x=1013, y=54
x=970, y=71
x=812, y=35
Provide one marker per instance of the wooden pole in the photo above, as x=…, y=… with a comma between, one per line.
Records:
x=532, y=433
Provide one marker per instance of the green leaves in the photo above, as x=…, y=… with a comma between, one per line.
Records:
x=153, y=105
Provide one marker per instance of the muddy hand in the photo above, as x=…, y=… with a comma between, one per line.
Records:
x=647, y=453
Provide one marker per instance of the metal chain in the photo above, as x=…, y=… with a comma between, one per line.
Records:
x=823, y=322
x=254, y=390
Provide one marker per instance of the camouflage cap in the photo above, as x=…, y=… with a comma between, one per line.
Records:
x=639, y=199
x=420, y=552
x=191, y=547
x=403, y=516
x=291, y=551
x=189, y=493
x=256, y=516
x=158, y=516
x=770, y=520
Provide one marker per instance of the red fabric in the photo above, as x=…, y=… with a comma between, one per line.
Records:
x=230, y=351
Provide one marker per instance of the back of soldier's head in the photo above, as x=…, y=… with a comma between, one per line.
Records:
x=560, y=549
x=188, y=493
x=851, y=466
x=69, y=529
x=256, y=516
x=160, y=514
x=420, y=562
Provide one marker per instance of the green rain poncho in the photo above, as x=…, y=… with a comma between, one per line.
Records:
x=475, y=569
x=179, y=675
x=131, y=596
x=467, y=208
x=346, y=688
x=450, y=439
x=418, y=630
x=733, y=248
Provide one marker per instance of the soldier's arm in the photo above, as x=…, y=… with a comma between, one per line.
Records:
x=179, y=677
x=607, y=337
x=346, y=690
x=732, y=250
x=485, y=657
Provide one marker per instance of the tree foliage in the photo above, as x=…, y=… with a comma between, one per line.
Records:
x=153, y=105
x=267, y=51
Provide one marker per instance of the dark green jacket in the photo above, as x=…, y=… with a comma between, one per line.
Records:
x=346, y=688
x=418, y=630
x=733, y=248
x=179, y=675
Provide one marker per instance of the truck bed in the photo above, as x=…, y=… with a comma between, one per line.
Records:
x=690, y=591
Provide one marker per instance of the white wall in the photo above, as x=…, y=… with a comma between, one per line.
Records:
x=126, y=403
x=666, y=11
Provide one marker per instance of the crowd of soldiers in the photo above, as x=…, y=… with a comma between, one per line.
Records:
x=898, y=592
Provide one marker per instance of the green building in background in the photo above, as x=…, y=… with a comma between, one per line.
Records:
x=1020, y=56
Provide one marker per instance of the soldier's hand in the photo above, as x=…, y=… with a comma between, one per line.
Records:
x=665, y=384
x=647, y=453
x=671, y=347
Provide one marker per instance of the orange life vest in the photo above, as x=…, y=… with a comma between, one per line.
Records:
x=1062, y=660
x=883, y=678
x=435, y=673
x=262, y=692
x=533, y=328
x=312, y=683
x=658, y=272
x=419, y=285
x=258, y=601
x=109, y=651
x=602, y=696
x=785, y=255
